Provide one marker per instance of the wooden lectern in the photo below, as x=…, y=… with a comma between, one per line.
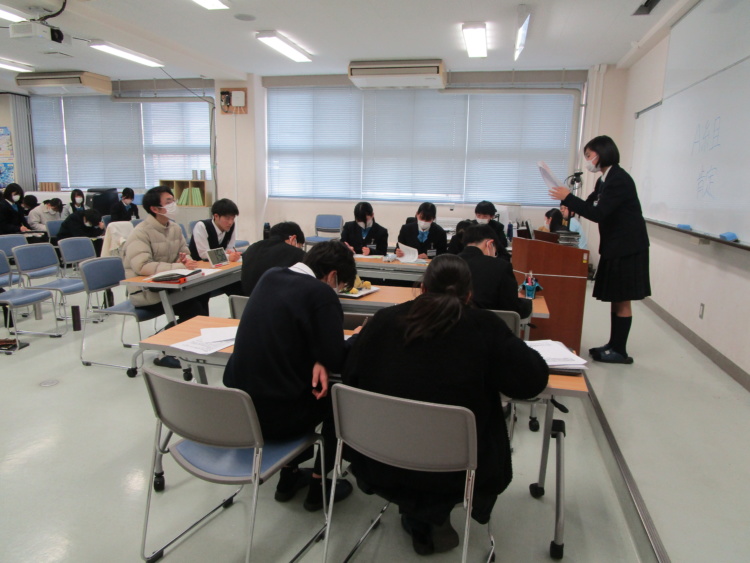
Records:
x=562, y=272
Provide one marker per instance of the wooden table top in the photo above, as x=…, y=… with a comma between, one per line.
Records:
x=378, y=261
x=203, y=265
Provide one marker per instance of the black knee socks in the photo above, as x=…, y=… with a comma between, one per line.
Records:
x=612, y=322
x=620, y=332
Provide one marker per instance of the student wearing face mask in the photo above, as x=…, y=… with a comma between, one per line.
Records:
x=12, y=218
x=157, y=245
x=28, y=203
x=40, y=215
x=125, y=209
x=76, y=204
x=485, y=212
x=623, y=273
x=425, y=234
x=289, y=338
x=364, y=235
x=553, y=221
x=86, y=223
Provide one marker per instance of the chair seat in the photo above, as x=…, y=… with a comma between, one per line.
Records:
x=316, y=239
x=236, y=464
x=43, y=273
x=24, y=296
x=65, y=285
x=127, y=308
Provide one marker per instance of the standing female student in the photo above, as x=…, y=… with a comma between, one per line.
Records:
x=623, y=273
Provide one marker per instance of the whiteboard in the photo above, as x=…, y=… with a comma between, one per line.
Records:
x=691, y=157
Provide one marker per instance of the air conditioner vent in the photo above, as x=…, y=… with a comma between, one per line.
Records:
x=65, y=83
x=425, y=74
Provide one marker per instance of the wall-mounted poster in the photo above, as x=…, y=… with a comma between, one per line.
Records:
x=6, y=145
x=7, y=174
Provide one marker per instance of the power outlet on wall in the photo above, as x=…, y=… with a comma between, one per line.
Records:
x=700, y=311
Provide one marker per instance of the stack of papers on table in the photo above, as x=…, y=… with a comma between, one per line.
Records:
x=211, y=340
x=556, y=354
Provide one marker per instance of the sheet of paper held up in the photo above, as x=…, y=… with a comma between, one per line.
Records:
x=557, y=354
x=199, y=345
x=410, y=254
x=219, y=334
x=548, y=176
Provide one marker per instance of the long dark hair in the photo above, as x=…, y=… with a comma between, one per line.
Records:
x=447, y=284
x=556, y=224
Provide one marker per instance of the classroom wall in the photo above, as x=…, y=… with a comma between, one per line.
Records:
x=683, y=274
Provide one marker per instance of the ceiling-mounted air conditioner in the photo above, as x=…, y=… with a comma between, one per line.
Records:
x=65, y=83
x=398, y=74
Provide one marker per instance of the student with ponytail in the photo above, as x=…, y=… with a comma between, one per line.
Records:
x=438, y=348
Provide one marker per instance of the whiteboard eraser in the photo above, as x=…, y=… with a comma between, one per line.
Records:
x=729, y=236
x=684, y=227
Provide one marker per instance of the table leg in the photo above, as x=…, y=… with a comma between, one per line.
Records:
x=168, y=311
x=537, y=489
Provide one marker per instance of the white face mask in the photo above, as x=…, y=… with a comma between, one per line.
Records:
x=591, y=167
x=170, y=210
x=16, y=198
x=365, y=225
x=79, y=200
x=483, y=221
x=86, y=224
x=424, y=225
x=335, y=286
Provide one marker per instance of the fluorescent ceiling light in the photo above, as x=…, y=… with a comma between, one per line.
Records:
x=524, y=15
x=12, y=15
x=284, y=46
x=118, y=51
x=15, y=65
x=475, y=38
x=212, y=4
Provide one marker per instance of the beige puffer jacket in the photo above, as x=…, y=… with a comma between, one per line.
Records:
x=152, y=248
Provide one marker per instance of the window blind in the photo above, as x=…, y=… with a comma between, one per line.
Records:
x=91, y=141
x=416, y=145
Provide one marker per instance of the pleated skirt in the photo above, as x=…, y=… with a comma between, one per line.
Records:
x=623, y=279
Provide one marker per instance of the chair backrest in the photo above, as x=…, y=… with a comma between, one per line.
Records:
x=512, y=319
x=191, y=227
x=31, y=257
x=4, y=268
x=115, y=237
x=136, y=222
x=53, y=227
x=329, y=224
x=106, y=219
x=404, y=433
x=216, y=416
x=76, y=249
x=9, y=242
x=237, y=305
x=102, y=273
x=184, y=231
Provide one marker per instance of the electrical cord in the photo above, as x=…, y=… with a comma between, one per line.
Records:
x=50, y=16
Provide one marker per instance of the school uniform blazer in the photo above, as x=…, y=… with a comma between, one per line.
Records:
x=263, y=255
x=378, y=235
x=493, y=284
x=437, y=239
x=120, y=213
x=468, y=366
x=11, y=220
x=615, y=206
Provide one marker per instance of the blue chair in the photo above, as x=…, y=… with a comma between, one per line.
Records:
x=136, y=222
x=331, y=225
x=106, y=219
x=20, y=297
x=241, y=245
x=53, y=227
x=101, y=274
x=184, y=232
x=222, y=443
x=75, y=250
x=36, y=261
x=9, y=242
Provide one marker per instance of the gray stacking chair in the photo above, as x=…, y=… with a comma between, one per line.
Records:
x=20, y=297
x=237, y=304
x=221, y=443
x=75, y=250
x=101, y=274
x=408, y=434
x=53, y=227
x=330, y=225
x=9, y=242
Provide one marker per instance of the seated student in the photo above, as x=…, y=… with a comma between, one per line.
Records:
x=86, y=223
x=493, y=284
x=553, y=221
x=282, y=248
x=364, y=235
x=290, y=336
x=456, y=245
x=28, y=203
x=424, y=234
x=12, y=218
x=572, y=224
x=485, y=212
x=76, y=204
x=440, y=350
x=157, y=245
x=125, y=209
x=217, y=232
x=40, y=215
